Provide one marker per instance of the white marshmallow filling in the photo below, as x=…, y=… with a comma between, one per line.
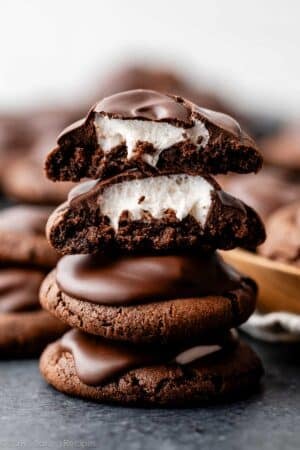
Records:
x=113, y=132
x=184, y=194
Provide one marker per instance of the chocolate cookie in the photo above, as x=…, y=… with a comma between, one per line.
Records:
x=24, y=178
x=283, y=148
x=22, y=236
x=24, y=181
x=131, y=212
x=87, y=367
x=24, y=328
x=266, y=191
x=152, y=131
x=26, y=334
x=16, y=137
x=283, y=241
x=149, y=299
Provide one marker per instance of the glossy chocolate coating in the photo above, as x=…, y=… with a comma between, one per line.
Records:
x=221, y=120
x=151, y=105
x=19, y=289
x=144, y=104
x=126, y=280
x=97, y=360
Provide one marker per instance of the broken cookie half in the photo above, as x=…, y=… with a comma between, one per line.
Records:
x=135, y=213
x=153, y=132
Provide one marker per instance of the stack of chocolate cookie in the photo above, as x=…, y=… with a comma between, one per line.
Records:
x=151, y=301
x=25, y=258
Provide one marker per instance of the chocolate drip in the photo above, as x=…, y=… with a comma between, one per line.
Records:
x=221, y=120
x=230, y=201
x=19, y=290
x=29, y=219
x=126, y=280
x=98, y=360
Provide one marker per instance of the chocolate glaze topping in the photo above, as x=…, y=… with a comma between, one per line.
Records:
x=126, y=280
x=151, y=105
x=98, y=360
x=144, y=104
x=221, y=120
x=19, y=289
x=29, y=219
x=230, y=201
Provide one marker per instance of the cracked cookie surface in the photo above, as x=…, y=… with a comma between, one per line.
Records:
x=217, y=377
x=177, y=320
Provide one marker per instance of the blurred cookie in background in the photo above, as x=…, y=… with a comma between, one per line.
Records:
x=282, y=149
x=261, y=126
x=167, y=80
x=22, y=236
x=25, y=258
x=16, y=137
x=283, y=235
x=19, y=131
x=25, y=329
x=23, y=178
x=162, y=80
x=265, y=191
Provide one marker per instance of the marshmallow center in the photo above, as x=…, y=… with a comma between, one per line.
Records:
x=113, y=132
x=184, y=194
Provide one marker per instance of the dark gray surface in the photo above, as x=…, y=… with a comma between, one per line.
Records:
x=33, y=415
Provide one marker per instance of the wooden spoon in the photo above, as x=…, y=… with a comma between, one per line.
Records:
x=279, y=283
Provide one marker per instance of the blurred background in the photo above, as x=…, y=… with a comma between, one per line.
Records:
x=60, y=50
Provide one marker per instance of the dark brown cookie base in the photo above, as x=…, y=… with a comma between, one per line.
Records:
x=25, y=335
x=76, y=163
x=217, y=377
x=164, y=322
x=78, y=226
